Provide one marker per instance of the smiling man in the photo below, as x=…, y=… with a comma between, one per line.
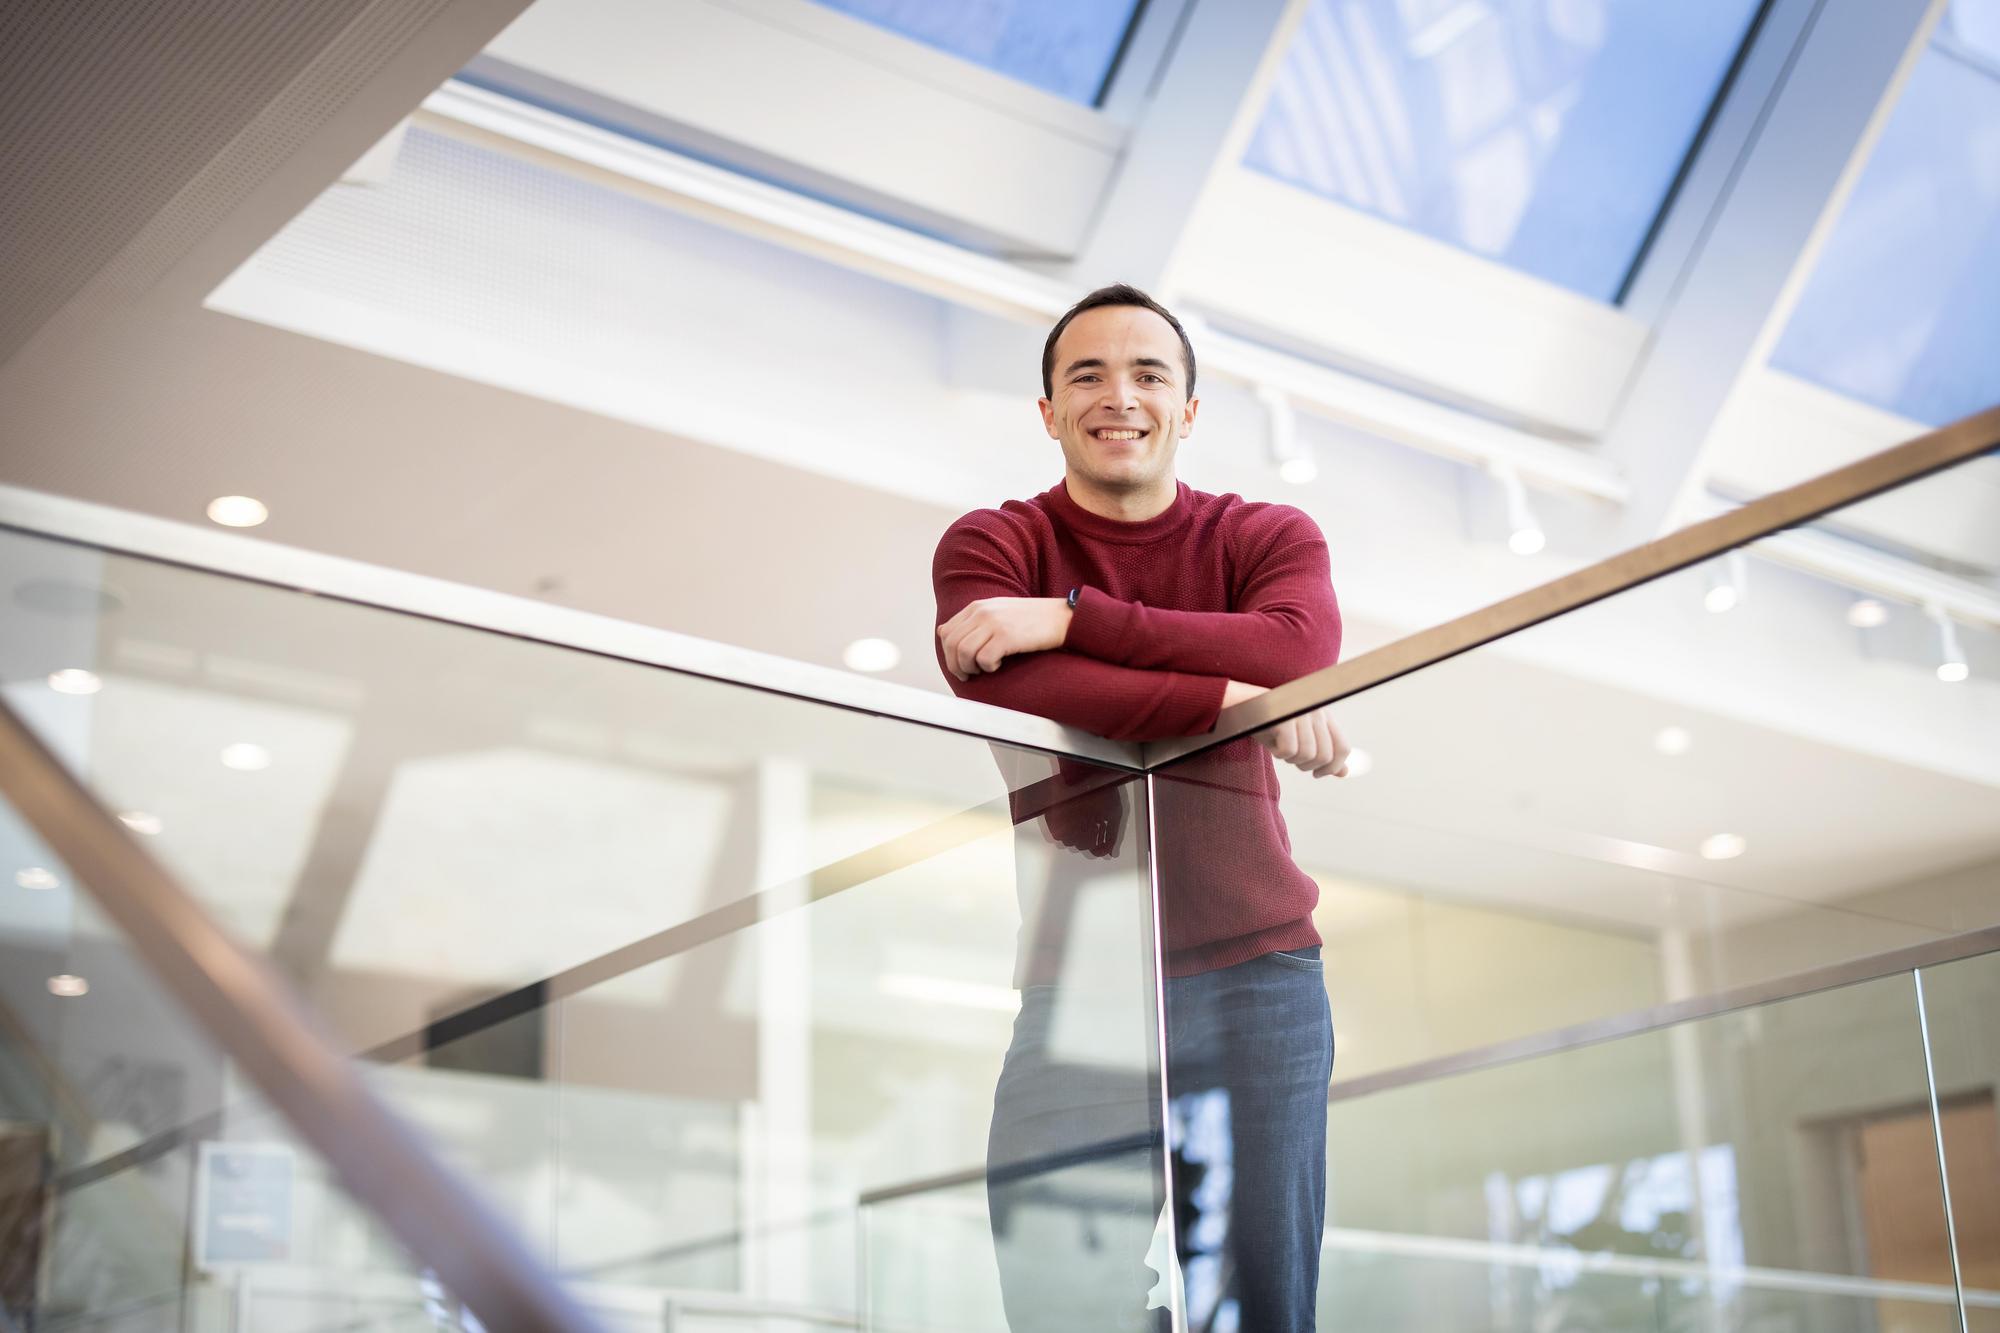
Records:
x=1126, y=603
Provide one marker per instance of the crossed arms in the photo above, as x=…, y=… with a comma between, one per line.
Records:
x=1134, y=672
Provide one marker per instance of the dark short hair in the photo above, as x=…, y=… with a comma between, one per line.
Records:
x=1118, y=293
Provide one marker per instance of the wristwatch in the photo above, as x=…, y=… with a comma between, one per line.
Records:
x=1073, y=593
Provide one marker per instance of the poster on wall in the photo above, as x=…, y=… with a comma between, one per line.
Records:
x=243, y=1204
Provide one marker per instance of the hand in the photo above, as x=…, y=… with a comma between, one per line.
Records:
x=1310, y=741
x=992, y=629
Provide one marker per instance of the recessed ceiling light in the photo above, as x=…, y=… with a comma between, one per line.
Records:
x=1299, y=471
x=68, y=984
x=1673, y=740
x=1723, y=847
x=871, y=655
x=74, y=680
x=1867, y=613
x=36, y=877
x=1359, y=763
x=237, y=511
x=1953, y=672
x=245, y=757
x=1527, y=541
x=141, y=822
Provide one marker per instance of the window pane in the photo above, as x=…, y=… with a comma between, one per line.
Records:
x=1544, y=135
x=1063, y=46
x=1903, y=308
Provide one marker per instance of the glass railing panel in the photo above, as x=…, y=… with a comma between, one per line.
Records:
x=1772, y=1167
x=162, y=1192
x=407, y=816
x=726, y=1112
x=1734, y=774
x=1962, y=1016
x=679, y=971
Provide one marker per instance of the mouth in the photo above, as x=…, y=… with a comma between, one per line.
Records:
x=1117, y=436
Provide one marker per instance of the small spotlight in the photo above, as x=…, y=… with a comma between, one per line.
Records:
x=74, y=680
x=1296, y=464
x=871, y=655
x=245, y=757
x=67, y=984
x=1673, y=741
x=1359, y=763
x=1723, y=847
x=1867, y=613
x=1524, y=534
x=36, y=877
x=1952, y=666
x=237, y=511
x=1726, y=581
x=141, y=822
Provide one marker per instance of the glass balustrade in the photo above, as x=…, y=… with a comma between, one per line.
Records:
x=675, y=970
x=1643, y=824
x=1650, y=938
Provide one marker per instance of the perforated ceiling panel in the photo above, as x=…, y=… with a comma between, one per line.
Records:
x=131, y=128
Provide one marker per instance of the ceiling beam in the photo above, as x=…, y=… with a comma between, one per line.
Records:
x=1793, y=135
x=1202, y=105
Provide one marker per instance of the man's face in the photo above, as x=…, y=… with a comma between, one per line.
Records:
x=1120, y=407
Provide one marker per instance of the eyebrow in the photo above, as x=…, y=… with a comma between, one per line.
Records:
x=1097, y=363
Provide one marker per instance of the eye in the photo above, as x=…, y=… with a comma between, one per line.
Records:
x=1155, y=378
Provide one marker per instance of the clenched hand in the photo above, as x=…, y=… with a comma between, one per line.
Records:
x=1309, y=741
x=991, y=630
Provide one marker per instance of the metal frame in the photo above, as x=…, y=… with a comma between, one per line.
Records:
x=243, y=1007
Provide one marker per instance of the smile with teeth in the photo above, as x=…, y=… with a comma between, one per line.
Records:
x=1118, y=434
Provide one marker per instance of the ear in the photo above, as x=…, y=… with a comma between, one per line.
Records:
x=1048, y=417
x=1187, y=417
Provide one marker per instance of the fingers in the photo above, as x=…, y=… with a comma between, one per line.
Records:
x=961, y=650
x=1311, y=743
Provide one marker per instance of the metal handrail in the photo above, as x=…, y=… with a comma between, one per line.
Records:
x=337, y=578
x=1942, y=448
x=255, y=1019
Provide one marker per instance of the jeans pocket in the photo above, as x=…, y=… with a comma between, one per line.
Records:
x=1305, y=960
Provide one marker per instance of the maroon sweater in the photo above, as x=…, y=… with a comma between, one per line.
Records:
x=1173, y=608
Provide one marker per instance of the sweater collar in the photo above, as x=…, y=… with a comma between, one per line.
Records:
x=1165, y=523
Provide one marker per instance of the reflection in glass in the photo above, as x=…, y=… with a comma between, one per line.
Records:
x=1719, y=1174
x=1903, y=308
x=1543, y=136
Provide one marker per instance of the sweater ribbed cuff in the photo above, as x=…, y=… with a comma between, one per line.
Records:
x=1100, y=626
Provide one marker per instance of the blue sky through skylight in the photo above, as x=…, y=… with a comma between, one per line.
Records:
x=1545, y=134
x=1061, y=46
x=1903, y=308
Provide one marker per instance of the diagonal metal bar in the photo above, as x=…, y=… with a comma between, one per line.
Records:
x=243, y=1007
x=1941, y=449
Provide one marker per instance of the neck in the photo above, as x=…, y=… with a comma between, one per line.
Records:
x=1125, y=506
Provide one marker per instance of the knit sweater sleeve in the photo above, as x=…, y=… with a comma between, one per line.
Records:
x=982, y=555
x=1286, y=625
